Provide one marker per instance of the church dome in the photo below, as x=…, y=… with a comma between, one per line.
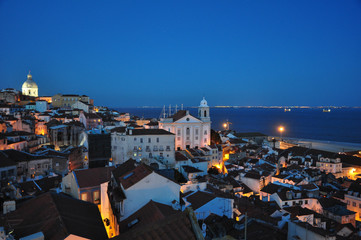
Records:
x=29, y=83
x=203, y=103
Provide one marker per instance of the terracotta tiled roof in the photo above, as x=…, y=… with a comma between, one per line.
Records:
x=56, y=216
x=93, y=177
x=175, y=227
x=135, y=176
x=180, y=157
x=190, y=169
x=252, y=175
x=129, y=173
x=149, y=213
x=124, y=168
x=199, y=198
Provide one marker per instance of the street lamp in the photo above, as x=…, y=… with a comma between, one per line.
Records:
x=281, y=129
x=226, y=125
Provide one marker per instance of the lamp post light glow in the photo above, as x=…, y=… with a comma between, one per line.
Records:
x=281, y=129
x=226, y=125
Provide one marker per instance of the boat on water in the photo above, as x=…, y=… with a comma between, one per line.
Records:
x=326, y=110
x=287, y=109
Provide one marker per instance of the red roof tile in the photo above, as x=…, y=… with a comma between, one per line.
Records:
x=93, y=176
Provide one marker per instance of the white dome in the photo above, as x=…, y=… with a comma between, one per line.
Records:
x=29, y=83
x=203, y=103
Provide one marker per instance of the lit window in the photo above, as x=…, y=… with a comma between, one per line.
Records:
x=84, y=196
x=96, y=197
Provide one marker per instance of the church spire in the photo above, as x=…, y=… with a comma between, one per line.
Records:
x=29, y=76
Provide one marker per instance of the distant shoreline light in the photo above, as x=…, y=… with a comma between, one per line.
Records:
x=270, y=107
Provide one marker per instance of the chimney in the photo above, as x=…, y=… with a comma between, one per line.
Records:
x=9, y=206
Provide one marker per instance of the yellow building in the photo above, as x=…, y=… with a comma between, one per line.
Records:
x=67, y=100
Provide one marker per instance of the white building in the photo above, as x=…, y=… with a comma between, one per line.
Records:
x=132, y=186
x=81, y=105
x=191, y=132
x=30, y=88
x=151, y=146
x=330, y=165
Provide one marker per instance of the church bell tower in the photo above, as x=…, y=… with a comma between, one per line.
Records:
x=203, y=111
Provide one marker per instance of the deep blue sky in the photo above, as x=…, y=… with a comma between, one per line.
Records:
x=135, y=53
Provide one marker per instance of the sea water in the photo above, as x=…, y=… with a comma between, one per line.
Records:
x=340, y=125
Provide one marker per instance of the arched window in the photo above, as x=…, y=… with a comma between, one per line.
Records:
x=188, y=131
x=205, y=113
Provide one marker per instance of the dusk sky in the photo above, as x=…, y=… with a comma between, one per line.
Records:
x=137, y=53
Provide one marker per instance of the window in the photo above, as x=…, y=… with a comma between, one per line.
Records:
x=359, y=205
x=205, y=132
x=188, y=131
x=306, y=201
x=141, y=140
x=197, y=131
x=96, y=197
x=354, y=204
x=205, y=140
x=84, y=196
x=149, y=140
x=178, y=132
x=135, y=139
x=157, y=139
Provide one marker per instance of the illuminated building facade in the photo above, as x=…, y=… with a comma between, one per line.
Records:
x=151, y=146
x=67, y=100
x=190, y=131
x=30, y=88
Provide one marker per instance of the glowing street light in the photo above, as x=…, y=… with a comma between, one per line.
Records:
x=226, y=125
x=281, y=129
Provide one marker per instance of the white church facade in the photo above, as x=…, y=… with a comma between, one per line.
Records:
x=190, y=131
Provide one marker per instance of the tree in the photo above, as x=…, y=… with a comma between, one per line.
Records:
x=215, y=138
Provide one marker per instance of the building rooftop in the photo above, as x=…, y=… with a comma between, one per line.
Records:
x=93, y=177
x=56, y=216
